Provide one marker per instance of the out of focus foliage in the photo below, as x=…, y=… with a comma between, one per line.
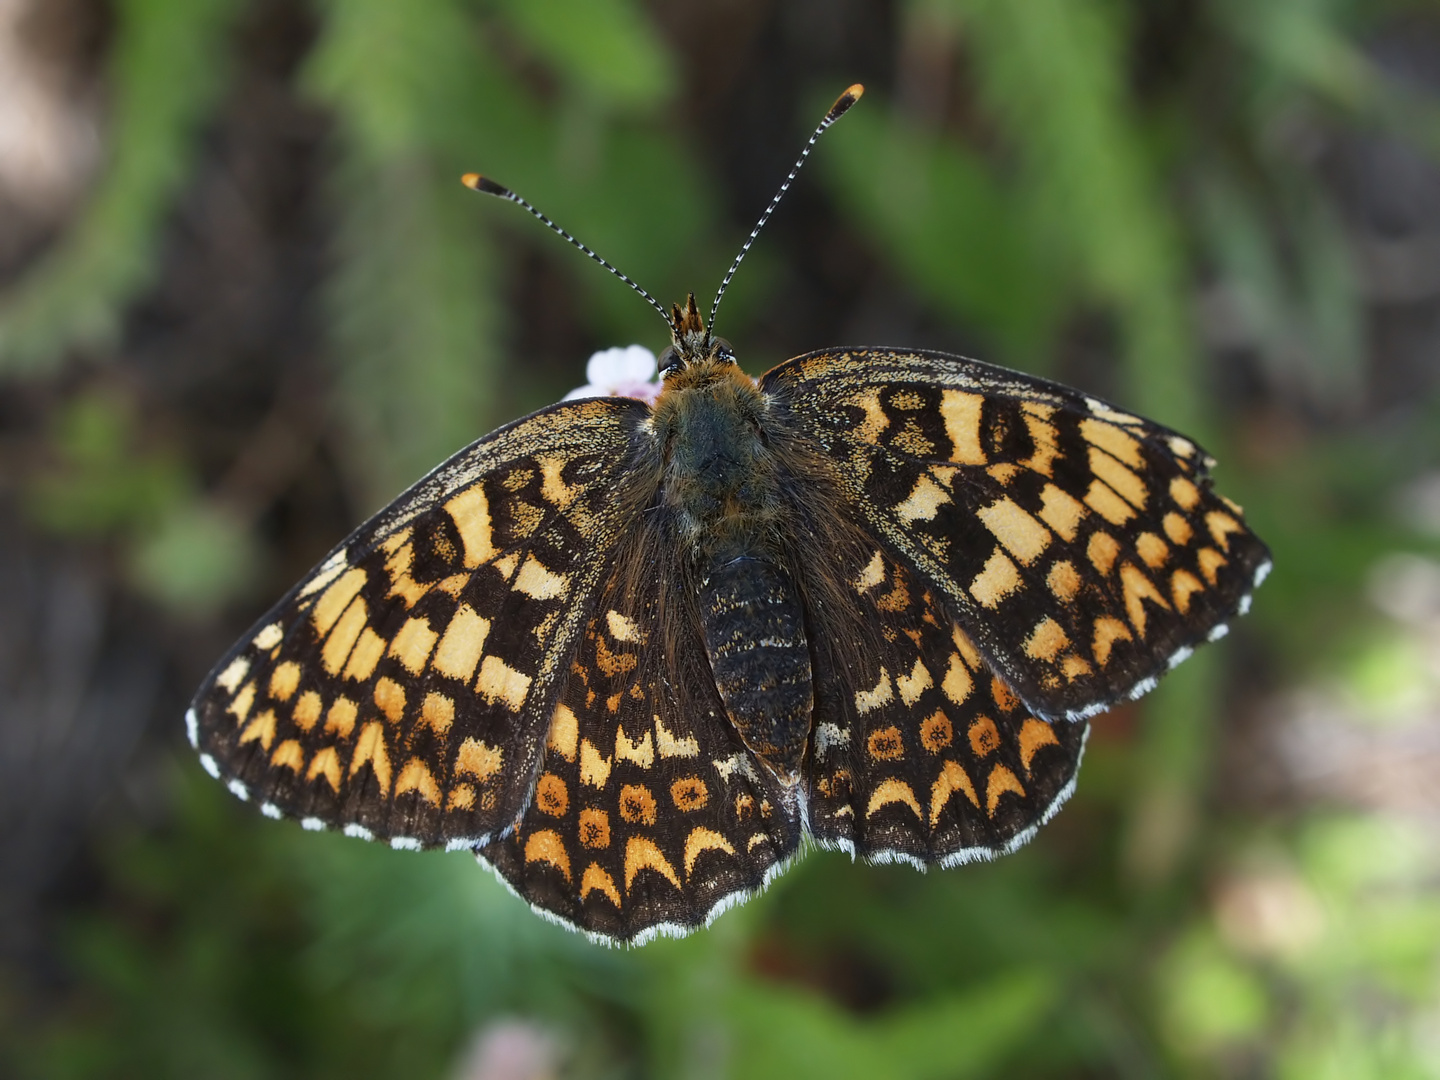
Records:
x=1125, y=180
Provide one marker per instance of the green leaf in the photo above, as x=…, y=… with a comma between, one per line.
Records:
x=944, y=216
x=604, y=48
x=198, y=559
x=412, y=301
x=1051, y=72
x=168, y=66
x=781, y=1033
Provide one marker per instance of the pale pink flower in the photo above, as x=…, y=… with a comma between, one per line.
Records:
x=627, y=372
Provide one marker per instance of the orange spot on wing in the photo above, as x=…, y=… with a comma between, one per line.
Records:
x=1064, y=582
x=289, y=755
x=1138, y=588
x=613, y=663
x=1185, y=494
x=689, y=793
x=893, y=791
x=284, y=680
x=261, y=729
x=996, y=581
x=1152, y=549
x=499, y=683
x=1033, y=735
x=412, y=645
x=470, y=511
x=326, y=763
x=551, y=795
x=1177, y=529
x=343, y=637
x=702, y=839
x=463, y=642
x=1046, y=641
x=642, y=854
x=1112, y=440
x=307, y=711
x=1061, y=511
x=397, y=566
x=240, y=707
x=547, y=847
x=390, y=698
x=597, y=880
x=594, y=828
x=416, y=777
x=936, y=732
x=336, y=600
x=594, y=769
x=1101, y=550
x=886, y=744
x=1104, y=500
x=478, y=759
x=564, y=732
x=341, y=717
x=1020, y=534
x=637, y=804
x=1210, y=562
x=1183, y=584
x=365, y=655
x=958, y=683
x=952, y=778
x=1001, y=780
x=437, y=712
x=1108, y=630
x=1005, y=698
x=961, y=413
x=1221, y=525
x=370, y=748
x=984, y=736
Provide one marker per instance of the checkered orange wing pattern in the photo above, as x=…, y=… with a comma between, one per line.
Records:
x=1082, y=549
x=404, y=689
x=924, y=755
x=631, y=656
x=650, y=815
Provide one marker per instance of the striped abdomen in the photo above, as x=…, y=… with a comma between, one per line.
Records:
x=754, y=630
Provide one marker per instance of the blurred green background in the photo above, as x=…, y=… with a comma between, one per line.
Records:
x=244, y=300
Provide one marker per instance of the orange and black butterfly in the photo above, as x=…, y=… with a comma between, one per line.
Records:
x=631, y=654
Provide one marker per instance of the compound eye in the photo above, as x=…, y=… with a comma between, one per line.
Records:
x=670, y=360
x=723, y=349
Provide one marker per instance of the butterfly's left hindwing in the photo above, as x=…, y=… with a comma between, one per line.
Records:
x=404, y=688
x=650, y=815
x=1081, y=548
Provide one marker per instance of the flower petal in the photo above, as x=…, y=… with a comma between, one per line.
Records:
x=610, y=367
x=586, y=391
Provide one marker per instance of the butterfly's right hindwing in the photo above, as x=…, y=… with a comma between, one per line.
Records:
x=404, y=689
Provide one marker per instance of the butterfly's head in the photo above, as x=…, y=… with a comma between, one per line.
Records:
x=690, y=341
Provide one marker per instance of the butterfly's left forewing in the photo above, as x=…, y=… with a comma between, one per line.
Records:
x=1081, y=548
x=404, y=688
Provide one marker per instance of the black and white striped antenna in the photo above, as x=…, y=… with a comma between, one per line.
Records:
x=476, y=182
x=842, y=103
x=484, y=184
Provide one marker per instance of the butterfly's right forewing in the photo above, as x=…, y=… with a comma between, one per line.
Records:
x=1081, y=548
x=404, y=688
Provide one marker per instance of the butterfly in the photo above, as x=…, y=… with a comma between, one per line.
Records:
x=633, y=654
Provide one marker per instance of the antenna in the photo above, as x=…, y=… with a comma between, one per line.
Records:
x=842, y=103
x=476, y=182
